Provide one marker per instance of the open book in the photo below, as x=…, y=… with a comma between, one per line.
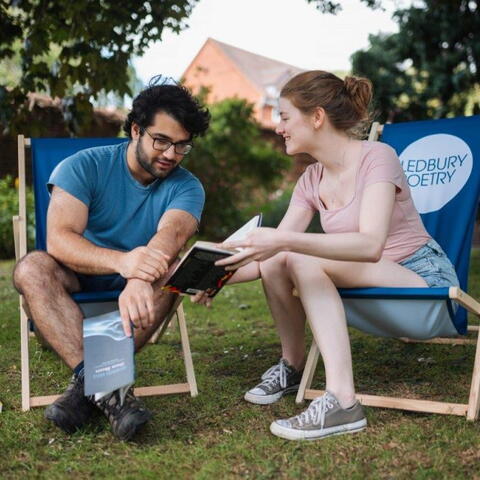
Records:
x=197, y=271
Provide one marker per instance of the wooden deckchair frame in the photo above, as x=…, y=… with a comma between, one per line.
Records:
x=470, y=409
x=20, y=236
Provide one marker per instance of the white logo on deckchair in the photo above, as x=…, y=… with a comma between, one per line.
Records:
x=437, y=167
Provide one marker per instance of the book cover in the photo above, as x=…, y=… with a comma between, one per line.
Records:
x=108, y=354
x=197, y=271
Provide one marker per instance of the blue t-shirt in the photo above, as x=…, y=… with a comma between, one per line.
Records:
x=122, y=213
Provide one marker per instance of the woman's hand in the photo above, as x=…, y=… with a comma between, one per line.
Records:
x=259, y=244
x=202, y=298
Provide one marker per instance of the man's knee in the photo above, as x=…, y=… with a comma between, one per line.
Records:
x=36, y=266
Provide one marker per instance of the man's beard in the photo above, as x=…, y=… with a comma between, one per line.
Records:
x=144, y=162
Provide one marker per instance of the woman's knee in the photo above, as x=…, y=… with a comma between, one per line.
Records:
x=33, y=267
x=274, y=266
x=305, y=266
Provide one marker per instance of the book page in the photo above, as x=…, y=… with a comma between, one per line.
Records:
x=241, y=233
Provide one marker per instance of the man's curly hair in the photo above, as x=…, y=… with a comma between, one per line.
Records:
x=175, y=100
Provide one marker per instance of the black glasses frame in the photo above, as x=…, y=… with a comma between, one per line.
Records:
x=166, y=144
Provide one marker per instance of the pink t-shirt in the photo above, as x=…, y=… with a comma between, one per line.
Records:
x=379, y=163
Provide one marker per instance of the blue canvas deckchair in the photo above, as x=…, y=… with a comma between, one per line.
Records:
x=441, y=159
x=46, y=154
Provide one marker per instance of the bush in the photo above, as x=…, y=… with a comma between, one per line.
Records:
x=274, y=210
x=9, y=208
x=237, y=166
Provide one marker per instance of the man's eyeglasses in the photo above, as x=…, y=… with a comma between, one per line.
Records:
x=162, y=145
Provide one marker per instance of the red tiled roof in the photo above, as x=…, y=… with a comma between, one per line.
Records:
x=262, y=71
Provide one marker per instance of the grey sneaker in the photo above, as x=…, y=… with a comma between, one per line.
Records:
x=276, y=382
x=323, y=417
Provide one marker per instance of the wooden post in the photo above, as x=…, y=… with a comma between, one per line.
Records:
x=414, y=405
x=474, y=398
x=161, y=329
x=375, y=131
x=187, y=355
x=21, y=251
x=472, y=306
x=22, y=197
x=308, y=372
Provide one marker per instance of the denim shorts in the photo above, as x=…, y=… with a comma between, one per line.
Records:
x=433, y=265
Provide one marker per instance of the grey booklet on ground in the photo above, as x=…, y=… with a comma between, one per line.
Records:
x=108, y=354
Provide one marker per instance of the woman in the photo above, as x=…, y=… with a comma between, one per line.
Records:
x=374, y=237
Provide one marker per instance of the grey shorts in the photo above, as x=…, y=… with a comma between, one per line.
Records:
x=433, y=265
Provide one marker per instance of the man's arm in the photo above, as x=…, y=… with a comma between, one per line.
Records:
x=136, y=301
x=175, y=228
x=66, y=221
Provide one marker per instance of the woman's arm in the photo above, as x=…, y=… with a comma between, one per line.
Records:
x=296, y=219
x=366, y=245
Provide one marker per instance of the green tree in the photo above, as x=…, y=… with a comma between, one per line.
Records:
x=9, y=208
x=80, y=51
x=94, y=39
x=239, y=168
x=431, y=67
x=331, y=6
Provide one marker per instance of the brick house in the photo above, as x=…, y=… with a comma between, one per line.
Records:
x=232, y=72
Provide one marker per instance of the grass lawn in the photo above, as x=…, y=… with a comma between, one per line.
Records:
x=218, y=434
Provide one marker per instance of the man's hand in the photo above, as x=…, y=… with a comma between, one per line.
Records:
x=144, y=263
x=136, y=305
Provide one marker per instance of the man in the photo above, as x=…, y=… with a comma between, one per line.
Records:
x=118, y=216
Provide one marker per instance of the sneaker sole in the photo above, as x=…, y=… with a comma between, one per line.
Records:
x=293, y=434
x=268, y=399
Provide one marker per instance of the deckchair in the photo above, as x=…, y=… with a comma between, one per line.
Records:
x=441, y=159
x=46, y=153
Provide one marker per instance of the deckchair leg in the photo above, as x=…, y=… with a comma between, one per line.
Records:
x=177, y=309
x=20, y=238
x=187, y=354
x=471, y=305
x=25, y=368
x=165, y=324
x=158, y=334
x=308, y=372
x=16, y=236
x=474, y=399
x=375, y=131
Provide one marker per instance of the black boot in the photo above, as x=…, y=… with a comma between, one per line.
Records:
x=73, y=409
x=126, y=419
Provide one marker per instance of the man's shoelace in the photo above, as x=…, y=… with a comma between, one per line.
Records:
x=315, y=413
x=117, y=399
